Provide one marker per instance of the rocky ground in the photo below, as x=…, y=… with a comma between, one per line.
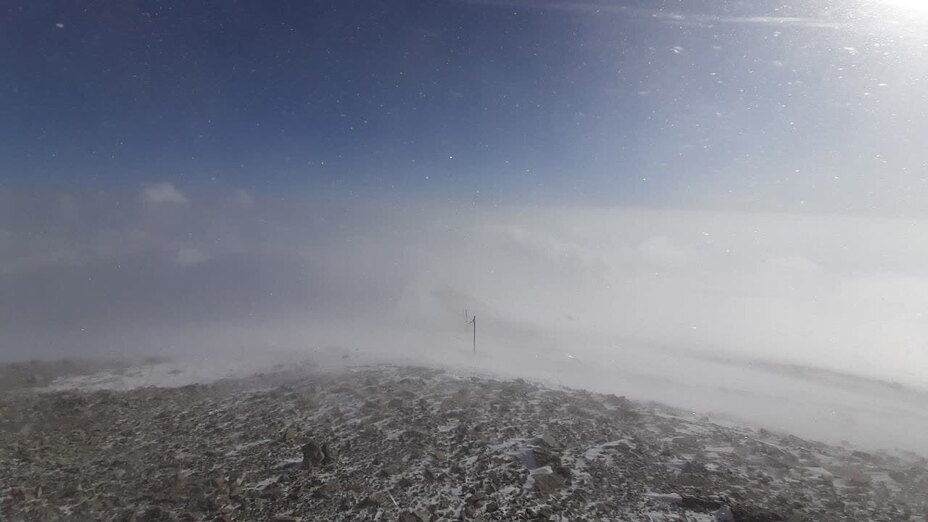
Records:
x=414, y=445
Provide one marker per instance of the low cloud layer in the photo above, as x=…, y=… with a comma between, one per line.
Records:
x=836, y=292
x=163, y=193
x=766, y=316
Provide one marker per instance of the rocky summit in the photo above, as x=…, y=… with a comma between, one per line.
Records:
x=420, y=445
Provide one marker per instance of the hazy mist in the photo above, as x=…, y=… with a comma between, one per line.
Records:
x=839, y=292
x=656, y=303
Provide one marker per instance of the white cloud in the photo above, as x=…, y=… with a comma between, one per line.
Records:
x=795, y=264
x=187, y=256
x=163, y=193
x=660, y=249
x=243, y=199
x=677, y=18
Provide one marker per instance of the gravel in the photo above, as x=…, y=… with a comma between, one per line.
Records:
x=416, y=444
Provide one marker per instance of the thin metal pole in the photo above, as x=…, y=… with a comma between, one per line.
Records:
x=475, y=333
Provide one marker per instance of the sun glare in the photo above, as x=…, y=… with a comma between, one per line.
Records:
x=909, y=5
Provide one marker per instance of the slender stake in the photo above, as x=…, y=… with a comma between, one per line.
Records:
x=474, y=322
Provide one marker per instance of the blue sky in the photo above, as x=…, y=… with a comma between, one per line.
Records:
x=587, y=101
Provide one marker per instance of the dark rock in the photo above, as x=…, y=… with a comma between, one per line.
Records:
x=619, y=401
x=701, y=503
x=477, y=497
x=317, y=455
x=409, y=516
x=391, y=469
x=743, y=513
x=696, y=468
x=723, y=514
x=326, y=490
x=289, y=434
x=375, y=500
x=545, y=457
x=153, y=514
x=548, y=483
x=547, y=440
x=863, y=455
